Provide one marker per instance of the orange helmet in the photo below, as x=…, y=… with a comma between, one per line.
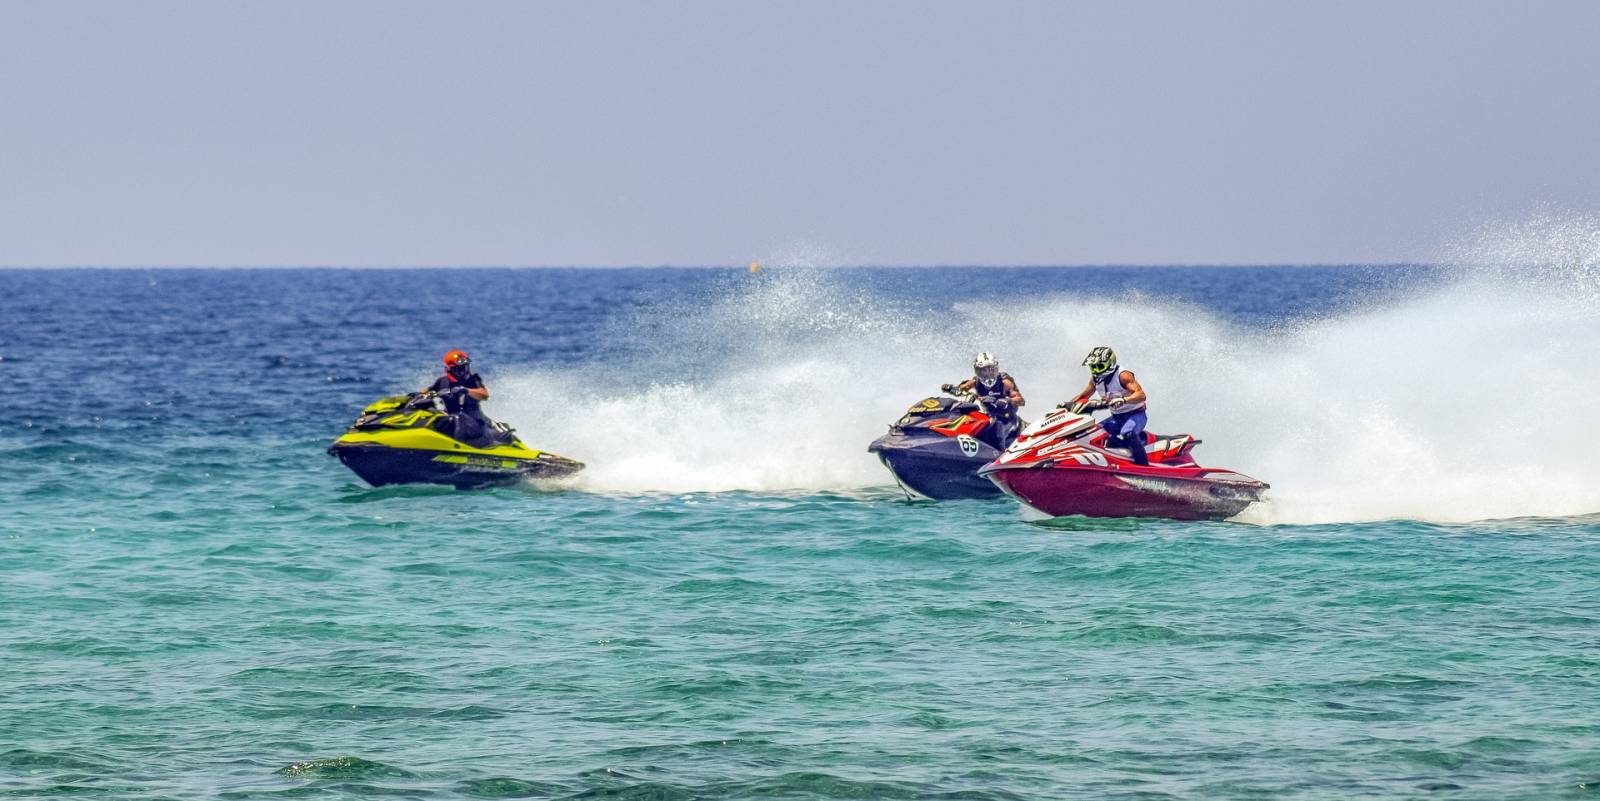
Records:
x=456, y=360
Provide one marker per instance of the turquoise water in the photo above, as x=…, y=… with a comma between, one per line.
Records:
x=196, y=602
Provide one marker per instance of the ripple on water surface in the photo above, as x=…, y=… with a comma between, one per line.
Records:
x=195, y=601
x=507, y=652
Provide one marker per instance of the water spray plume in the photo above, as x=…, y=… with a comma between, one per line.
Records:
x=1464, y=401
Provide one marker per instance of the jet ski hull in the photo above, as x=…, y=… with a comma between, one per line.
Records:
x=381, y=466
x=407, y=440
x=1061, y=466
x=1181, y=494
x=935, y=449
x=936, y=467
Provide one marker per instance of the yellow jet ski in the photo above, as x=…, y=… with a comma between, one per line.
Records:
x=408, y=439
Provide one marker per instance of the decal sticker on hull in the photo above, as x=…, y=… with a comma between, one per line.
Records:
x=969, y=446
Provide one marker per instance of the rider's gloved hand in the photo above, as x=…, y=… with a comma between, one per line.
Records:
x=1114, y=403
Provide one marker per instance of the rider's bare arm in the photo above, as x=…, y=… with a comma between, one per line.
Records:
x=1135, y=392
x=1084, y=395
x=967, y=385
x=1012, y=394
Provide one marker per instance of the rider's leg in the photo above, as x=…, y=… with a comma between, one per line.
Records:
x=469, y=428
x=1133, y=437
x=1112, y=426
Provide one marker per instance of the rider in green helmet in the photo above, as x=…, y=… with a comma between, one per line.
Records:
x=1116, y=389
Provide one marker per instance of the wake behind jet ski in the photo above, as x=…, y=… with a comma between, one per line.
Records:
x=410, y=439
x=935, y=449
x=1061, y=465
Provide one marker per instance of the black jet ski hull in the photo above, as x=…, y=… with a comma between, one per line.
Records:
x=381, y=466
x=407, y=439
x=936, y=467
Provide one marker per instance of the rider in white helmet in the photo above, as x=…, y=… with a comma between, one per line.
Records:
x=996, y=389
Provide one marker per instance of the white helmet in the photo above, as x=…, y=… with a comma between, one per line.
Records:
x=986, y=368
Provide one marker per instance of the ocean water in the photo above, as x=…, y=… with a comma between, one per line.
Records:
x=733, y=602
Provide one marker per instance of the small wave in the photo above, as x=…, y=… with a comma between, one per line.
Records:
x=24, y=759
x=799, y=784
x=343, y=768
x=508, y=787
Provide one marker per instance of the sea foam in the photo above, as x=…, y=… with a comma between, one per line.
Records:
x=1465, y=400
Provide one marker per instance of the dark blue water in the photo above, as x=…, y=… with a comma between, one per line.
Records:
x=733, y=601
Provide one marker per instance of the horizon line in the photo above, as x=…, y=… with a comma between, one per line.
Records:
x=762, y=266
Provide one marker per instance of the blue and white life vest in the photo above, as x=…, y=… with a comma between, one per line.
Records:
x=1111, y=387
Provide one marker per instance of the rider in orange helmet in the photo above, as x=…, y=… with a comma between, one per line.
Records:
x=462, y=391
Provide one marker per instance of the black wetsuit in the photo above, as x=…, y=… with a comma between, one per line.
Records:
x=1005, y=423
x=465, y=411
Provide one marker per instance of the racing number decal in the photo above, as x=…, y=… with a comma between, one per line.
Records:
x=969, y=446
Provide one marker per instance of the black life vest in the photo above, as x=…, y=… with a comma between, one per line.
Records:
x=997, y=391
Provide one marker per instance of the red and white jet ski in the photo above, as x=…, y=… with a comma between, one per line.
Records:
x=1060, y=466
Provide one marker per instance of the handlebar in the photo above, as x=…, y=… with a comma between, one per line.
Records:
x=424, y=398
x=971, y=397
x=1084, y=406
x=983, y=401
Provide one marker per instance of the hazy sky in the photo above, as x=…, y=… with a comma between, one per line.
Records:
x=530, y=133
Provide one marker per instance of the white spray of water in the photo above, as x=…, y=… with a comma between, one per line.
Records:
x=1472, y=401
